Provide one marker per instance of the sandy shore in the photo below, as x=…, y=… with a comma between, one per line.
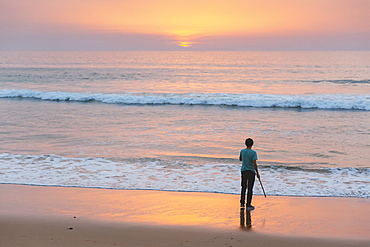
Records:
x=51, y=216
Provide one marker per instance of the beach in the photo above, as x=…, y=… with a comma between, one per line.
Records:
x=57, y=216
x=141, y=148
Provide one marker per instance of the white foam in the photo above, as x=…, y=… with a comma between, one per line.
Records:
x=318, y=101
x=157, y=174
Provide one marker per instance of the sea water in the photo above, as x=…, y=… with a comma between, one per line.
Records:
x=176, y=121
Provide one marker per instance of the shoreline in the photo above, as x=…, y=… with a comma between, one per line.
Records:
x=41, y=212
x=175, y=191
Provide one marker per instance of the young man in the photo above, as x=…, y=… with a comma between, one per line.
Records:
x=248, y=170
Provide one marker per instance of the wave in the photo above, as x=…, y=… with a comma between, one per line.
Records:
x=344, y=81
x=320, y=101
x=178, y=175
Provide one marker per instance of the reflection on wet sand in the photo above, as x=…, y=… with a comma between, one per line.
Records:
x=245, y=219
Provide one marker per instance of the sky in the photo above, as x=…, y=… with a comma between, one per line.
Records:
x=151, y=25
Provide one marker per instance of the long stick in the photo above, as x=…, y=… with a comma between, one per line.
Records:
x=262, y=187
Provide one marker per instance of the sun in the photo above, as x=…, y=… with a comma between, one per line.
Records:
x=185, y=43
x=184, y=37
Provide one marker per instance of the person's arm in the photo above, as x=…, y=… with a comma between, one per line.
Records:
x=240, y=156
x=256, y=168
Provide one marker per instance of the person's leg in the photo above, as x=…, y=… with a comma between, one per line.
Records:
x=244, y=187
x=251, y=178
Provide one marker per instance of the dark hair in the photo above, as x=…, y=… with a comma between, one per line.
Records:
x=249, y=142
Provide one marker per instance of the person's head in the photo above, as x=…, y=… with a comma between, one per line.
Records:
x=249, y=142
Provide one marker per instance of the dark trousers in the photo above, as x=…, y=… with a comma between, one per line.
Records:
x=248, y=178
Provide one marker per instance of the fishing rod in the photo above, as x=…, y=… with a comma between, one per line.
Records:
x=262, y=187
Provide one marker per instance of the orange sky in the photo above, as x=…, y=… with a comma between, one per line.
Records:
x=192, y=24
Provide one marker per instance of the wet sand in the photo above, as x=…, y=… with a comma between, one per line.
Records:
x=54, y=216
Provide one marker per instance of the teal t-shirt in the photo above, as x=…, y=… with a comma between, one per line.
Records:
x=248, y=155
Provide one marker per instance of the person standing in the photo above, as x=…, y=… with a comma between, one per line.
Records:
x=249, y=170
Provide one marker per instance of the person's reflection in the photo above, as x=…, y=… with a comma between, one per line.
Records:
x=245, y=215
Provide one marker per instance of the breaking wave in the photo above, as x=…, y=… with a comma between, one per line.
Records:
x=317, y=101
x=178, y=175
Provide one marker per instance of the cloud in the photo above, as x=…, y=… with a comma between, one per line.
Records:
x=85, y=41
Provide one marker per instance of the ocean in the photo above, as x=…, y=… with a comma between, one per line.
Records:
x=176, y=121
